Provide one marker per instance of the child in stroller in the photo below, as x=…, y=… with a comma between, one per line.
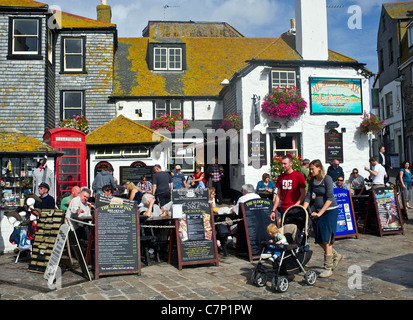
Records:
x=272, y=252
x=293, y=256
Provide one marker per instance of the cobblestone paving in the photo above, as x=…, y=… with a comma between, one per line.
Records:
x=385, y=263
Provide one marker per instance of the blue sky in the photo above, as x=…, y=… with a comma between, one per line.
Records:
x=253, y=18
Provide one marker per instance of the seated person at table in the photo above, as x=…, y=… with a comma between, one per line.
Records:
x=265, y=187
x=134, y=193
x=356, y=181
x=212, y=193
x=248, y=193
x=79, y=209
x=341, y=184
x=150, y=209
x=198, y=179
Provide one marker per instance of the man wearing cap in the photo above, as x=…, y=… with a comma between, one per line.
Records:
x=48, y=201
x=178, y=178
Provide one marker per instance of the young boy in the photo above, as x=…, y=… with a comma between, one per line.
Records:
x=272, y=253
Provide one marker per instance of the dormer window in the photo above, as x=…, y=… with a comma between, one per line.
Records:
x=167, y=57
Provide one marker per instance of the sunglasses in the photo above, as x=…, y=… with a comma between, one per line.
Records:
x=340, y=180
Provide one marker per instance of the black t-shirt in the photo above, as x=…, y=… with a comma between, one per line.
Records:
x=162, y=180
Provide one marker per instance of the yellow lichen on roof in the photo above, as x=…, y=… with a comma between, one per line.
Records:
x=399, y=10
x=21, y=4
x=19, y=142
x=68, y=20
x=122, y=130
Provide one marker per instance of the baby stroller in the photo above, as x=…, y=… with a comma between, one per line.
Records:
x=294, y=256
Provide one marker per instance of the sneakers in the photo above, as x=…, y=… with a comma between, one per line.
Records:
x=265, y=255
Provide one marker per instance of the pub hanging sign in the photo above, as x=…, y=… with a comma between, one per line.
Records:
x=257, y=149
x=334, y=146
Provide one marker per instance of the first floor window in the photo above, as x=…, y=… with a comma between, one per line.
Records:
x=282, y=79
x=389, y=104
x=25, y=36
x=72, y=104
x=167, y=106
x=184, y=155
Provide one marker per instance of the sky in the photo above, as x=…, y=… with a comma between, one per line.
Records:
x=352, y=24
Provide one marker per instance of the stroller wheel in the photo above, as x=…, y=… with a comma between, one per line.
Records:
x=280, y=284
x=259, y=278
x=310, y=277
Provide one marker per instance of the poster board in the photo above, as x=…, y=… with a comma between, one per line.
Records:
x=59, y=246
x=334, y=146
x=48, y=227
x=257, y=149
x=195, y=231
x=117, y=238
x=135, y=172
x=252, y=230
x=346, y=221
x=383, y=212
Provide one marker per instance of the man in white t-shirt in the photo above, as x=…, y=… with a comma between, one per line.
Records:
x=248, y=193
x=377, y=173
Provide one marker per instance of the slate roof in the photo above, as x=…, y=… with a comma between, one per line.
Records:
x=122, y=130
x=14, y=141
x=209, y=61
x=399, y=10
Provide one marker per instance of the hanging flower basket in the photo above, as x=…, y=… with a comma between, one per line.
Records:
x=78, y=122
x=371, y=123
x=169, y=122
x=232, y=121
x=284, y=103
x=276, y=167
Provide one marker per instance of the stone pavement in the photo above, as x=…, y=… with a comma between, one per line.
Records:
x=385, y=264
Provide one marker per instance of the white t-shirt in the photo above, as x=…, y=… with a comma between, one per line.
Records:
x=381, y=172
x=243, y=199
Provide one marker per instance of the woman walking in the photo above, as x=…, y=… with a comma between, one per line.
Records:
x=325, y=211
x=406, y=182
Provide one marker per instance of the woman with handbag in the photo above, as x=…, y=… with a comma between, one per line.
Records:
x=406, y=182
x=325, y=211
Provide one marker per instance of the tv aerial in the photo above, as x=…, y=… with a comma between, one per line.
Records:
x=167, y=7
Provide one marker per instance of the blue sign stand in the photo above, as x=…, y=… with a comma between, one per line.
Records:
x=346, y=221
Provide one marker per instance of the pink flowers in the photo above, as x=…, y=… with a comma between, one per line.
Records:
x=169, y=122
x=371, y=123
x=231, y=121
x=284, y=103
x=78, y=122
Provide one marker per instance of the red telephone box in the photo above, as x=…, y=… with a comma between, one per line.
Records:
x=71, y=167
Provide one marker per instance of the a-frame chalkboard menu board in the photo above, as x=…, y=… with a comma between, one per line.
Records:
x=252, y=230
x=195, y=231
x=117, y=237
x=383, y=212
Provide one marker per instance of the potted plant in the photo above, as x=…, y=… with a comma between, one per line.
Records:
x=232, y=121
x=284, y=103
x=169, y=122
x=77, y=122
x=371, y=123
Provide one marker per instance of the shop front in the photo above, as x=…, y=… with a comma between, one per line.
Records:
x=24, y=162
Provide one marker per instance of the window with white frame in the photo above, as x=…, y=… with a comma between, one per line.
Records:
x=73, y=54
x=72, y=104
x=25, y=35
x=165, y=58
x=184, y=155
x=410, y=34
x=284, y=144
x=167, y=106
x=283, y=78
x=135, y=152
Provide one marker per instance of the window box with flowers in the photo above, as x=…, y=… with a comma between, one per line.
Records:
x=276, y=167
x=77, y=122
x=169, y=122
x=371, y=124
x=284, y=103
x=232, y=121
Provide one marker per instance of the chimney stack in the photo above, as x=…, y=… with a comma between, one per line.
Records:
x=311, y=30
x=104, y=12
